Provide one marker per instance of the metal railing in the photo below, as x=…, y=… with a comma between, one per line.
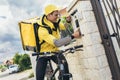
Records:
x=108, y=20
x=113, y=14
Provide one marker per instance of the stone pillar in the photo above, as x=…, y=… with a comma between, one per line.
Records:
x=90, y=64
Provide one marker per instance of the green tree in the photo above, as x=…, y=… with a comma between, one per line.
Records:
x=24, y=62
x=2, y=68
x=16, y=58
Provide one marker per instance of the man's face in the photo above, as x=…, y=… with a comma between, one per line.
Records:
x=68, y=19
x=54, y=16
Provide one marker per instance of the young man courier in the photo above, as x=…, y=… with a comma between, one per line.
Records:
x=50, y=40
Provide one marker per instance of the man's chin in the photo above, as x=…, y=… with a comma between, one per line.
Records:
x=54, y=21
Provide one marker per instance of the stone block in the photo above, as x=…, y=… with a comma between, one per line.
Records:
x=93, y=63
x=77, y=77
x=84, y=5
x=91, y=39
x=85, y=63
x=105, y=73
x=92, y=74
x=98, y=49
x=89, y=27
x=88, y=16
x=102, y=61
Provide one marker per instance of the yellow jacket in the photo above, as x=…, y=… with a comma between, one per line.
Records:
x=48, y=38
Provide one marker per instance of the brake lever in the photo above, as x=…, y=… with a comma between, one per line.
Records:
x=79, y=50
x=72, y=51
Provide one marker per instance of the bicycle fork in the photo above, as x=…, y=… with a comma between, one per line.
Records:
x=62, y=73
x=68, y=75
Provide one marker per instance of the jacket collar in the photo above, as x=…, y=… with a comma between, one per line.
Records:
x=44, y=21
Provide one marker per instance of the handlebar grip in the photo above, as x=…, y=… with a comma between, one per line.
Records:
x=79, y=46
x=35, y=54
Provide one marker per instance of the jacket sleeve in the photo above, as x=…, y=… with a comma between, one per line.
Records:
x=44, y=35
x=62, y=41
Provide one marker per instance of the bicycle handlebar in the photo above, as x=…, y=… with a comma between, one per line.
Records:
x=79, y=46
x=60, y=51
x=75, y=47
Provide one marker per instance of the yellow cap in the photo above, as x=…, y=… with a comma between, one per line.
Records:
x=50, y=8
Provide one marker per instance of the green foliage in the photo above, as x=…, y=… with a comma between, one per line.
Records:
x=23, y=61
x=16, y=58
x=2, y=68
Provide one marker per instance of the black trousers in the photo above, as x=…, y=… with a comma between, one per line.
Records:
x=42, y=64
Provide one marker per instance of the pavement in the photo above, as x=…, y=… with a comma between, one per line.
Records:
x=16, y=76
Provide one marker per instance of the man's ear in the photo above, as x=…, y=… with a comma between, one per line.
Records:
x=48, y=16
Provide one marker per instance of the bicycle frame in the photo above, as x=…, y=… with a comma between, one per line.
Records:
x=60, y=66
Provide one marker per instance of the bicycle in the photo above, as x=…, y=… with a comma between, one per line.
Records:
x=50, y=72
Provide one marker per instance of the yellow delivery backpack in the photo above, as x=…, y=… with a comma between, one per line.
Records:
x=29, y=34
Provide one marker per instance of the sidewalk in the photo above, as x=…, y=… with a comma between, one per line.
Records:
x=25, y=75
x=31, y=78
x=16, y=76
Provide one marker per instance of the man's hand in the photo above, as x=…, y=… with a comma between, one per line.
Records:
x=77, y=34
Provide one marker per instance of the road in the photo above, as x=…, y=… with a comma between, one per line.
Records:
x=15, y=76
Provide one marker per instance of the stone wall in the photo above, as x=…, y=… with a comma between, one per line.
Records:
x=90, y=64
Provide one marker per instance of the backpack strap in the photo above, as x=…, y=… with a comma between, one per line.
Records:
x=38, y=45
x=43, y=20
x=48, y=28
x=49, y=31
x=59, y=21
x=56, y=25
x=37, y=38
x=36, y=26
